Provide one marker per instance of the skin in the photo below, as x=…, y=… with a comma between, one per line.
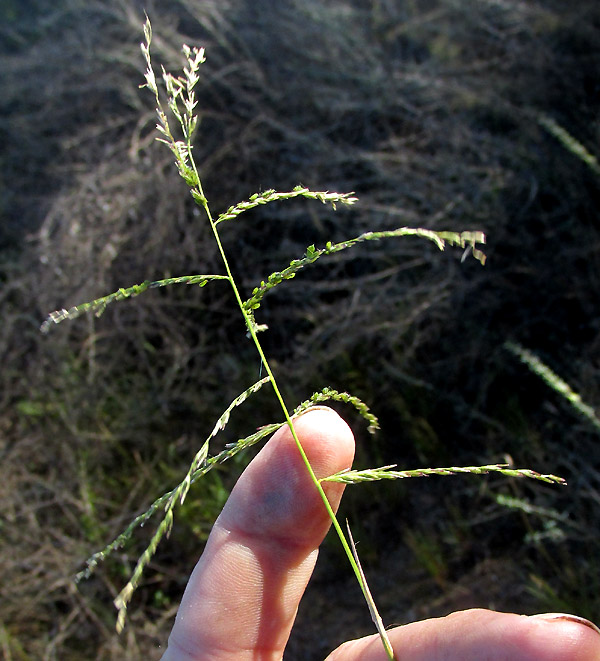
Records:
x=242, y=597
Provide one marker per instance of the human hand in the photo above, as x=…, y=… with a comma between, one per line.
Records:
x=241, y=600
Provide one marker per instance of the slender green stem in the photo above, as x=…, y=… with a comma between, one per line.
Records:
x=192, y=177
x=309, y=468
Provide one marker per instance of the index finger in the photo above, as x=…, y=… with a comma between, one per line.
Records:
x=242, y=597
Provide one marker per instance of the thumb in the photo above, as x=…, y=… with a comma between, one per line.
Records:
x=474, y=635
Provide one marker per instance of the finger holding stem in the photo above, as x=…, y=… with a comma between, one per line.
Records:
x=242, y=597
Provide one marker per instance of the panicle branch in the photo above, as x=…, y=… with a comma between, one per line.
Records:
x=462, y=239
x=272, y=195
x=99, y=305
x=555, y=382
x=388, y=473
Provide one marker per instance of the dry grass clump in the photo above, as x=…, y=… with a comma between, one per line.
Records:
x=431, y=114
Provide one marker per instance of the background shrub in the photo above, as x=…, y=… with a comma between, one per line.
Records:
x=431, y=114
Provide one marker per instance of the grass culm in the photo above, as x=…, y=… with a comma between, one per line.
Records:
x=178, y=123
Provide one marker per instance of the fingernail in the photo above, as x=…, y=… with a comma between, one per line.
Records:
x=568, y=618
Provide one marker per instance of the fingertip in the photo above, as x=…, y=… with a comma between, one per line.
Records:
x=327, y=440
x=276, y=497
x=550, y=617
x=574, y=638
x=244, y=593
x=475, y=634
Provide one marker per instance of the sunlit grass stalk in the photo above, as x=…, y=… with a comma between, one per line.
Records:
x=188, y=170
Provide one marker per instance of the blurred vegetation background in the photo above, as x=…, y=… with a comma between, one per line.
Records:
x=430, y=112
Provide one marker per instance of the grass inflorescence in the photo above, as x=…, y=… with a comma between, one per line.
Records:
x=389, y=473
x=556, y=383
x=177, y=123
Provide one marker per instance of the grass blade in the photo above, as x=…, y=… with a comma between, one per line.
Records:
x=377, y=621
